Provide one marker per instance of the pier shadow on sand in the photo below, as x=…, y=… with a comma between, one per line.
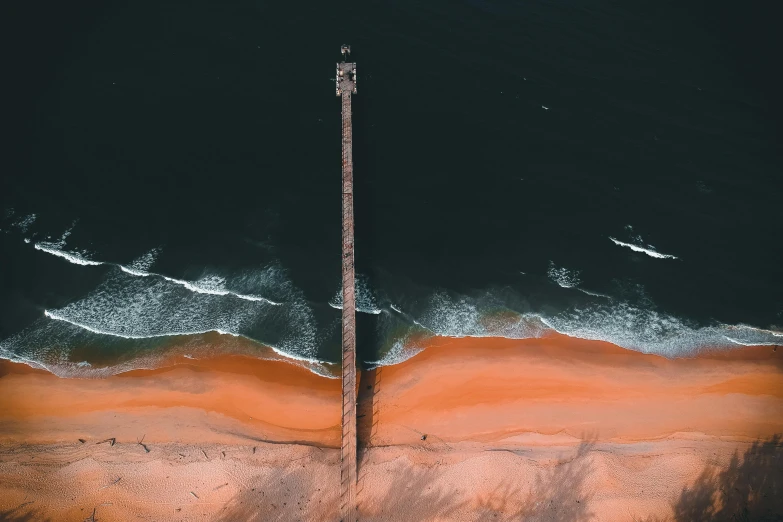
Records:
x=368, y=409
x=368, y=403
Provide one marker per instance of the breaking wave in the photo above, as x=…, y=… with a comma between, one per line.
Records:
x=639, y=246
x=137, y=319
x=52, y=337
x=136, y=316
x=140, y=309
x=55, y=248
x=72, y=257
x=646, y=250
x=59, y=317
x=400, y=351
x=211, y=284
x=637, y=326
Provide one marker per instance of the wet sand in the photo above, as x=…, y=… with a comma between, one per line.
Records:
x=469, y=429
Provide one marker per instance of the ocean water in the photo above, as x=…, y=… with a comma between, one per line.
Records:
x=171, y=178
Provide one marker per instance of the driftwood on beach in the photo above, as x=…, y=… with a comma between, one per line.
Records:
x=141, y=443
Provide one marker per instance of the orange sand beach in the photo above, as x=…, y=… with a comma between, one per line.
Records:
x=469, y=429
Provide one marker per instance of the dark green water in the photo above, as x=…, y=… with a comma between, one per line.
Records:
x=609, y=171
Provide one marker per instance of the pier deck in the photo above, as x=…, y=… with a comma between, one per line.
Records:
x=346, y=85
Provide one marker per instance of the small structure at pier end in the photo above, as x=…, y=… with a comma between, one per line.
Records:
x=346, y=74
x=346, y=85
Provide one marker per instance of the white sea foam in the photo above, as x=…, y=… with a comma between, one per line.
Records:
x=9, y=354
x=288, y=355
x=465, y=317
x=72, y=257
x=460, y=316
x=649, y=331
x=594, y=294
x=149, y=310
x=399, y=352
x=646, y=250
x=737, y=341
x=43, y=343
x=212, y=284
x=745, y=335
x=58, y=317
x=142, y=309
x=146, y=309
x=295, y=357
x=23, y=224
x=638, y=327
x=61, y=242
x=134, y=272
x=55, y=248
x=139, y=308
x=758, y=342
x=143, y=263
x=753, y=330
x=365, y=300
x=563, y=276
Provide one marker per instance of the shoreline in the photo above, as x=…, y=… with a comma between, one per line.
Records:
x=268, y=395
x=255, y=351
x=557, y=385
x=442, y=434
x=198, y=400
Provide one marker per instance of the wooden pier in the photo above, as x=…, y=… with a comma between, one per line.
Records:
x=346, y=85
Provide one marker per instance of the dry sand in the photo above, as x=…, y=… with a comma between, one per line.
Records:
x=540, y=429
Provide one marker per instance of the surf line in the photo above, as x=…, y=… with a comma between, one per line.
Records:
x=58, y=317
x=76, y=259
x=359, y=308
x=649, y=251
